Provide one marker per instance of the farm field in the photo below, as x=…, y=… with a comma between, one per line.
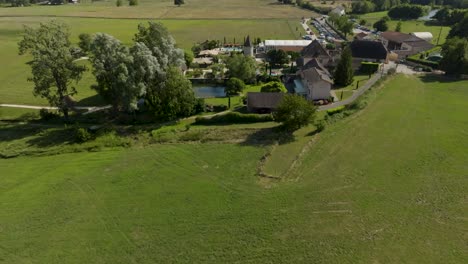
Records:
x=165, y=9
x=385, y=185
x=16, y=89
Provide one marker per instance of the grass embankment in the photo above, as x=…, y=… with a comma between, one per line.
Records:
x=387, y=184
x=344, y=92
x=16, y=89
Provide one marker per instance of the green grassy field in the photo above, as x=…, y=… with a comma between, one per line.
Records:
x=410, y=26
x=16, y=89
x=163, y=9
x=386, y=185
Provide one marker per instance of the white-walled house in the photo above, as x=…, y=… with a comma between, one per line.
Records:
x=314, y=84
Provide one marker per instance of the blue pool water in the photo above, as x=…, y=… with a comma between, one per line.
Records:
x=209, y=91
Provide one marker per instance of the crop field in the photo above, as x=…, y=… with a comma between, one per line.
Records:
x=164, y=9
x=385, y=185
x=15, y=71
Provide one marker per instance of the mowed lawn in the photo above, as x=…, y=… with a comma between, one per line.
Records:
x=14, y=72
x=387, y=185
x=408, y=26
x=163, y=9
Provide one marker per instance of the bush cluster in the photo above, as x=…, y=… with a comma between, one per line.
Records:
x=369, y=67
x=82, y=135
x=335, y=110
x=431, y=64
x=308, y=5
x=233, y=118
x=47, y=115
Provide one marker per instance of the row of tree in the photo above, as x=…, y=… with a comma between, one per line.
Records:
x=149, y=69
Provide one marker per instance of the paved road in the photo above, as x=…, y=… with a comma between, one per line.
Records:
x=355, y=95
x=89, y=109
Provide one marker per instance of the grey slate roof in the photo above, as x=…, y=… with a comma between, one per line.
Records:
x=315, y=63
x=264, y=100
x=314, y=50
x=368, y=49
x=314, y=74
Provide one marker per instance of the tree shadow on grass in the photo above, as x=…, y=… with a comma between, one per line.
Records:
x=95, y=100
x=14, y=131
x=52, y=137
x=268, y=136
x=439, y=78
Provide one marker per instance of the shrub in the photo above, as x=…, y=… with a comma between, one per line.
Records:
x=82, y=135
x=199, y=106
x=162, y=136
x=119, y=3
x=219, y=108
x=369, y=67
x=233, y=118
x=133, y=2
x=191, y=136
x=47, y=115
x=391, y=71
x=320, y=126
x=335, y=110
x=273, y=87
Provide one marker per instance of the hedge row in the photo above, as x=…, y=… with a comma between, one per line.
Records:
x=308, y=5
x=233, y=118
x=336, y=110
x=431, y=64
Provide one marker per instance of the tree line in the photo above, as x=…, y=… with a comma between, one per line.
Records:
x=455, y=49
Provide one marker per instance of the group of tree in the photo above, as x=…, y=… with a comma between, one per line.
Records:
x=206, y=45
x=407, y=11
x=455, y=49
x=149, y=69
x=362, y=7
x=277, y=58
x=130, y=2
x=342, y=23
x=241, y=67
x=448, y=17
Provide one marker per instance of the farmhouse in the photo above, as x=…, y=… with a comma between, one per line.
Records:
x=367, y=50
x=263, y=102
x=404, y=44
x=285, y=45
x=314, y=83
